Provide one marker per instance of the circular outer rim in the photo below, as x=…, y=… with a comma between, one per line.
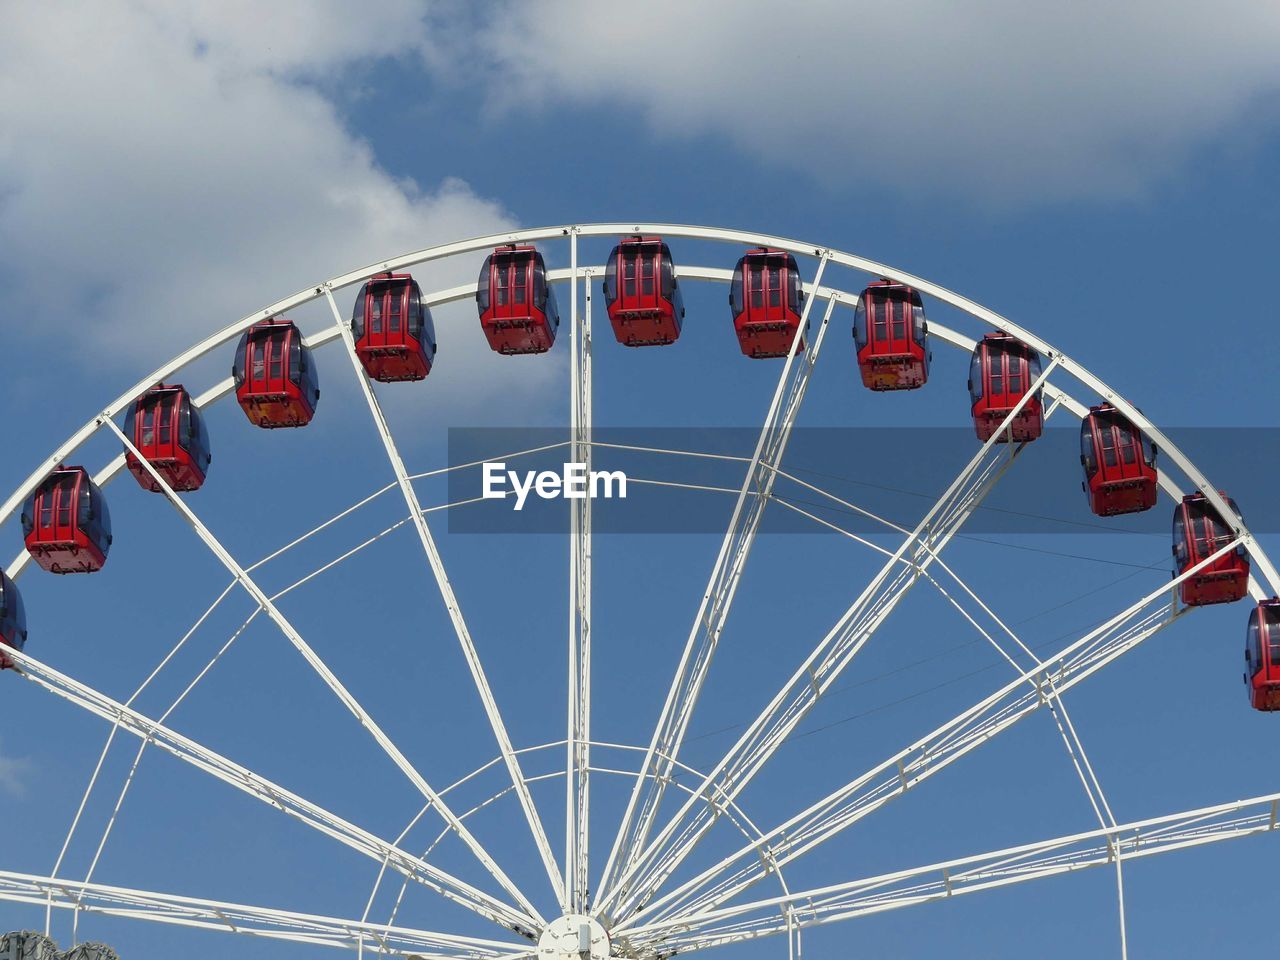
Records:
x=1105, y=391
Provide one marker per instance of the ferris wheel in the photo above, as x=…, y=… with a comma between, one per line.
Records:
x=642, y=892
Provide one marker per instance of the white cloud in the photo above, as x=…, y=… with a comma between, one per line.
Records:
x=998, y=101
x=13, y=776
x=167, y=168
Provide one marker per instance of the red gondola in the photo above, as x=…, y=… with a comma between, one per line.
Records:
x=891, y=336
x=767, y=300
x=1198, y=533
x=1262, y=656
x=1119, y=463
x=276, y=382
x=13, y=620
x=517, y=309
x=642, y=293
x=1000, y=374
x=395, y=337
x=169, y=432
x=66, y=523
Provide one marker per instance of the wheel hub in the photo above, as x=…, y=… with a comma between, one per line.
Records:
x=574, y=937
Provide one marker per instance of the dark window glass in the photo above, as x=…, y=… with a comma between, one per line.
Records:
x=899, y=320
x=775, y=287
x=860, y=323
x=66, y=498
x=166, y=418
x=755, y=282
x=259, y=360
x=668, y=273
x=647, y=275
x=148, y=424
x=482, y=284
x=357, y=313
x=275, y=356
x=629, y=275
x=611, y=280
x=375, y=308
x=540, y=297
x=517, y=284
x=395, y=308
x=1087, y=455
x=503, y=279
x=416, y=311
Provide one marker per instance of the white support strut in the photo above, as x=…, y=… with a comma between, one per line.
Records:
x=578, y=738
x=940, y=881
x=928, y=756
x=245, y=920
x=436, y=564
x=274, y=795
x=321, y=668
x=824, y=665
x=717, y=601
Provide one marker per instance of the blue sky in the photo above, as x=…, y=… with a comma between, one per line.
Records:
x=1105, y=178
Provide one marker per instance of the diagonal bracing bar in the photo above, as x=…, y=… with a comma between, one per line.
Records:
x=932, y=753
x=940, y=881
x=274, y=795
x=246, y=920
x=824, y=665
x=436, y=563
x=713, y=612
x=331, y=680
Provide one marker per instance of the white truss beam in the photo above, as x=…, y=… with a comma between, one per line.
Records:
x=941, y=881
x=274, y=795
x=926, y=757
x=825, y=664
x=245, y=920
x=713, y=611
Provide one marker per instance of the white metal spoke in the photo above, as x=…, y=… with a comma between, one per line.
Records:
x=436, y=563
x=824, y=665
x=951, y=878
x=929, y=755
x=578, y=745
x=274, y=795
x=244, y=919
x=713, y=611
x=327, y=675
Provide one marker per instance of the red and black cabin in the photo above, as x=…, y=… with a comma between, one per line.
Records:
x=1001, y=372
x=767, y=300
x=1262, y=656
x=1198, y=533
x=66, y=523
x=169, y=432
x=1119, y=463
x=891, y=336
x=13, y=620
x=395, y=336
x=642, y=293
x=276, y=382
x=517, y=309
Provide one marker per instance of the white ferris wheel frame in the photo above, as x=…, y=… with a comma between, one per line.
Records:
x=645, y=920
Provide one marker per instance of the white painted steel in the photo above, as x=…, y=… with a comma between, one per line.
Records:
x=940, y=881
x=578, y=681
x=713, y=612
x=244, y=919
x=637, y=868
x=824, y=665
